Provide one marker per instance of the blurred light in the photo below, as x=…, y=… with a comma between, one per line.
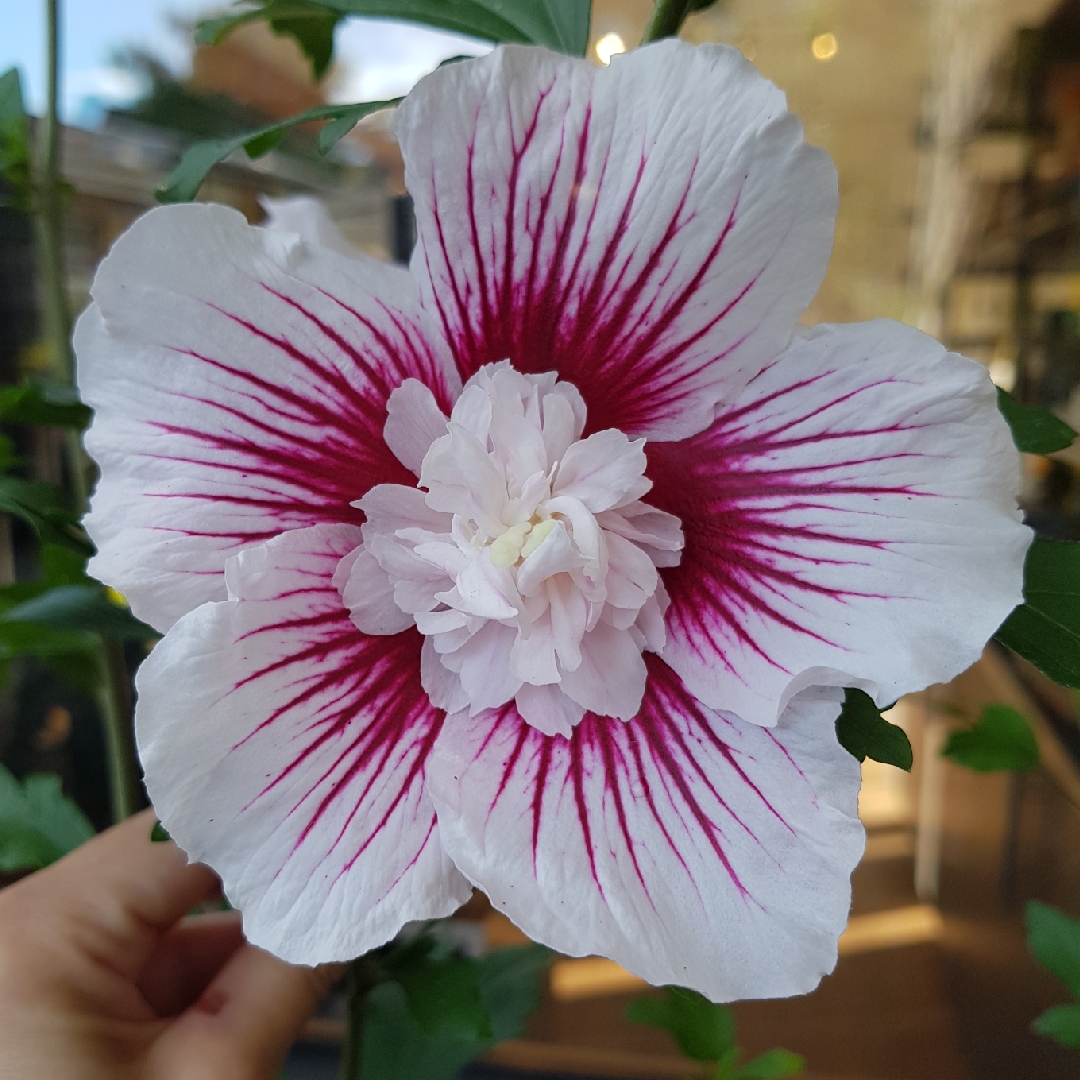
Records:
x=824, y=46
x=572, y=980
x=608, y=46
x=915, y=925
x=1003, y=372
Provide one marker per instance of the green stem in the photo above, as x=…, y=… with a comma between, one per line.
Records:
x=50, y=211
x=363, y=977
x=667, y=19
x=114, y=695
x=114, y=701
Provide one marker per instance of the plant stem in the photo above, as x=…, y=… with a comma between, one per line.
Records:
x=114, y=696
x=50, y=211
x=362, y=978
x=667, y=19
x=114, y=701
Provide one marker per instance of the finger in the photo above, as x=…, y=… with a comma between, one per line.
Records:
x=249, y=1016
x=186, y=959
x=117, y=893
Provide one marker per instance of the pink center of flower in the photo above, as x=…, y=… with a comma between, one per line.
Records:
x=525, y=556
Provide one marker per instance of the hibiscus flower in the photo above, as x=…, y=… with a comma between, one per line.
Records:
x=539, y=566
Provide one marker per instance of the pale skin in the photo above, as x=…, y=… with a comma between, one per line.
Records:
x=105, y=976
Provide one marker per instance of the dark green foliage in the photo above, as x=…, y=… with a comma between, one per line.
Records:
x=562, y=25
x=170, y=104
x=443, y=991
x=1034, y=430
x=183, y=183
x=1054, y=940
x=864, y=733
x=1045, y=629
x=433, y=1010
x=1002, y=740
x=45, y=509
x=33, y=404
x=15, y=168
x=1062, y=1024
x=38, y=823
x=81, y=607
x=57, y=619
x=159, y=834
x=706, y=1032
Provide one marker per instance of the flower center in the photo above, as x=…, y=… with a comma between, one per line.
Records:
x=525, y=556
x=519, y=542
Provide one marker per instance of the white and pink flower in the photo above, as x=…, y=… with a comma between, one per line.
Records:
x=540, y=566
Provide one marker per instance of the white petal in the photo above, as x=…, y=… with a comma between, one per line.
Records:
x=603, y=224
x=610, y=680
x=462, y=479
x=443, y=687
x=239, y=380
x=548, y=709
x=413, y=422
x=307, y=218
x=416, y=582
x=287, y=750
x=483, y=664
x=631, y=578
x=484, y=590
x=533, y=657
x=851, y=520
x=560, y=426
x=368, y=593
x=600, y=470
x=392, y=507
x=689, y=848
x=555, y=555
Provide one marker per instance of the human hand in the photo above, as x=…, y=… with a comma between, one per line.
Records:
x=102, y=977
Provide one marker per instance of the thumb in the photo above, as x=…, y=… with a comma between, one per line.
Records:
x=242, y=1026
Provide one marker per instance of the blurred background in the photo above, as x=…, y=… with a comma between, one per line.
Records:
x=955, y=127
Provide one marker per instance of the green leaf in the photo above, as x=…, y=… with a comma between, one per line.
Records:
x=61, y=566
x=704, y=1031
x=444, y=997
x=1045, y=629
x=183, y=183
x=159, y=834
x=1034, y=430
x=14, y=141
x=81, y=607
x=309, y=23
x=562, y=25
x=1002, y=740
x=33, y=404
x=1054, y=940
x=44, y=508
x=510, y=985
x=1062, y=1024
x=311, y=26
x=399, y=1044
x=38, y=823
x=864, y=733
x=772, y=1065
x=396, y=1047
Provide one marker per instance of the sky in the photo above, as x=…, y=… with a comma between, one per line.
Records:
x=379, y=59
